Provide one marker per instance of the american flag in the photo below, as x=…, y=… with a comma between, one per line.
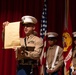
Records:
x=43, y=31
x=44, y=20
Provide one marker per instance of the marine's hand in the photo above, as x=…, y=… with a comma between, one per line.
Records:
x=15, y=48
x=74, y=73
x=50, y=71
x=26, y=52
x=5, y=23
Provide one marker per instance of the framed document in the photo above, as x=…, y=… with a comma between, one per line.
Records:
x=12, y=35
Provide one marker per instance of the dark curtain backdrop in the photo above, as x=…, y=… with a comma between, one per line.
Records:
x=13, y=10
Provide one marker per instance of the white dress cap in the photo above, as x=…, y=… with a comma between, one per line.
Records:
x=29, y=19
x=52, y=34
x=74, y=34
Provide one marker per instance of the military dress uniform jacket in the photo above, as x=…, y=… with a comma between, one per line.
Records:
x=33, y=42
x=50, y=57
x=74, y=58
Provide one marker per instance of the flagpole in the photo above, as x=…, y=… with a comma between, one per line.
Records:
x=66, y=28
x=66, y=13
x=67, y=10
x=67, y=40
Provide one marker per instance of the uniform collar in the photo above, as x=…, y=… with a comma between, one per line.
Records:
x=51, y=47
x=30, y=36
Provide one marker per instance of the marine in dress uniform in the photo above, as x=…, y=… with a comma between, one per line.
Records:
x=30, y=51
x=54, y=59
x=74, y=53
